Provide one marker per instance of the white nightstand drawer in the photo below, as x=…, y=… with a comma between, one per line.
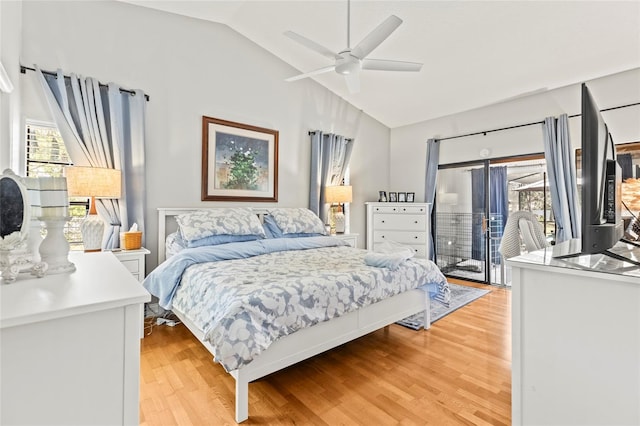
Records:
x=132, y=265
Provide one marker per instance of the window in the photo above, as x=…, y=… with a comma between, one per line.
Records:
x=47, y=156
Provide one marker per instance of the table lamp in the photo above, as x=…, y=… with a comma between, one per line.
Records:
x=94, y=182
x=337, y=195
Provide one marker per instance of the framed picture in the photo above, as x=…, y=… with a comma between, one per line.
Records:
x=402, y=197
x=411, y=196
x=393, y=197
x=239, y=162
x=382, y=196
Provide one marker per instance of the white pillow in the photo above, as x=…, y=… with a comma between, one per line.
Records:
x=297, y=220
x=201, y=224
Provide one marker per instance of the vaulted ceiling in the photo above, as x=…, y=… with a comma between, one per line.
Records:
x=475, y=53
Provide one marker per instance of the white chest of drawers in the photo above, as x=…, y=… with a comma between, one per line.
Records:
x=70, y=346
x=403, y=223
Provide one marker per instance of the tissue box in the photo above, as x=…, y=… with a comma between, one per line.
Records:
x=131, y=240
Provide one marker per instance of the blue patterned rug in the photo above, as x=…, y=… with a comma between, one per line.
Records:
x=460, y=295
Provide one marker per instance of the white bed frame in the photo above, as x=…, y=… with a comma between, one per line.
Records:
x=307, y=342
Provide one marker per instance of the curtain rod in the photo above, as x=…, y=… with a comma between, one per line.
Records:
x=312, y=132
x=526, y=124
x=24, y=69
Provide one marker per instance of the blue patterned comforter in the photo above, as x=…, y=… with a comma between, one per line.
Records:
x=245, y=296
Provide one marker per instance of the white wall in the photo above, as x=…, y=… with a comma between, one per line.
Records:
x=10, y=18
x=408, y=143
x=192, y=68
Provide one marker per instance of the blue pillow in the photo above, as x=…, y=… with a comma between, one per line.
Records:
x=214, y=240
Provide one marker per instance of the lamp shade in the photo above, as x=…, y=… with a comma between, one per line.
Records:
x=338, y=194
x=95, y=182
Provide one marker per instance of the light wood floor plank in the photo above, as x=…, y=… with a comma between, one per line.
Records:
x=457, y=373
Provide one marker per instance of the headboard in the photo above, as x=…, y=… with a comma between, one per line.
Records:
x=167, y=223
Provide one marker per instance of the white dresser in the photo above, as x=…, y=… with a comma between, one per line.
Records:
x=403, y=223
x=576, y=338
x=70, y=345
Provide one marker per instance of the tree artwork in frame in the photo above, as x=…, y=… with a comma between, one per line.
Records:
x=239, y=162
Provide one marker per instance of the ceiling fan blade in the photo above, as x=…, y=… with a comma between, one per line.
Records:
x=353, y=82
x=312, y=45
x=310, y=73
x=377, y=36
x=386, y=65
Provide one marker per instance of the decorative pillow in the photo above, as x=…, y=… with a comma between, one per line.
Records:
x=297, y=221
x=272, y=230
x=201, y=224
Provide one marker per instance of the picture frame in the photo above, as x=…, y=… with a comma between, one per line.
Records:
x=402, y=197
x=411, y=196
x=393, y=197
x=239, y=161
x=382, y=196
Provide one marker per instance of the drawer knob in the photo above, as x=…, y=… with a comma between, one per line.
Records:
x=383, y=236
x=415, y=221
x=383, y=221
x=416, y=237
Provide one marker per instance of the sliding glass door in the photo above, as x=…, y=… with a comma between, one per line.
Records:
x=473, y=202
x=463, y=224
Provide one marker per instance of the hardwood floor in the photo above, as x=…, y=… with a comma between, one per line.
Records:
x=459, y=372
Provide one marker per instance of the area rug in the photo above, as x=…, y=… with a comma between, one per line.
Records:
x=460, y=296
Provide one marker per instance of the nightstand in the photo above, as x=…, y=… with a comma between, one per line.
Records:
x=133, y=260
x=352, y=239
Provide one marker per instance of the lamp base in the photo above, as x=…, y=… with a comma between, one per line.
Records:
x=340, y=222
x=92, y=229
x=54, y=249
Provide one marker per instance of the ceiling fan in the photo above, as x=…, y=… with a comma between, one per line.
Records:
x=350, y=61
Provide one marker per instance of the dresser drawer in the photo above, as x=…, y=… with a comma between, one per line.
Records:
x=420, y=250
x=400, y=209
x=406, y=222
x=403, y=237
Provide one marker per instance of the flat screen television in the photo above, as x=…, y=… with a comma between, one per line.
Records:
x=602, y=225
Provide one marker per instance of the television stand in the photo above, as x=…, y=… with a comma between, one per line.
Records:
x=633, y=243
x=607, y=252
x=570, y=323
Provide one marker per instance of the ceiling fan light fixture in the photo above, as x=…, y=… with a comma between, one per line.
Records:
x=347, y=64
